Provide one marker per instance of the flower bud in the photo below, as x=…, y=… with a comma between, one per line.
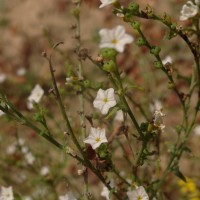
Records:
x=141, y=41
x=133, y=7
x=108, y=53
x=136, y=25
x=155, y=50
x=170, y=85
x=86, y=83
x=109, y=66
x=158, y=64
x=127, y=17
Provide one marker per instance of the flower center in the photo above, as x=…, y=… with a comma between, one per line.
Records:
x=97, y=139
x=114, y=41
x=139, y=198
x=105, y=100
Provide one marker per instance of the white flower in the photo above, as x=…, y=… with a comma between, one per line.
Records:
x=166, y=60
x=24, y=150
x=188, y=10
x=1, y=113
x=96, y=137
x=119, y=116
x=35, y=96
x=138, y=194
x=115, y=38
x=105, y=191
x=197, y=130
x=3, y=77
x=21, y=71
x=68, y=196
x=6, y=193
x=27, y=198
x=105, y=100
x=106, y=2
x=29, y=158
x=44, y=170
x=11, y=149
x=197, y=2
x=158, y=119
x=156, y=105
x=21, y=141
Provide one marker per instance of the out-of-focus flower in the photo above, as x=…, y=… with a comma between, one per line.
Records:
x=21, y=71
x=119, y=116
x=158, y=119
x=3, y=77
x=115, y=38
x=188, y=10
x=106, y=2
x=68, y=196
x=197, y=2
x=105, y=100
x=138, y=194
x=189, y=189
x=29, y=158
x=44, y=170
x=35, y=96
x=11, y=149
x=6, y=193
x=197, y=130
x=105, y=191
x=1, y=113
x=27, y=198
x=166, y=60
x=96, y=137
x=156, y=105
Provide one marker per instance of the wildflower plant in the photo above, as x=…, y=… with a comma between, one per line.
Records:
x=117, y=134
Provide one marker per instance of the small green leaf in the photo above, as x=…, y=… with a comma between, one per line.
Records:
x=179, y=174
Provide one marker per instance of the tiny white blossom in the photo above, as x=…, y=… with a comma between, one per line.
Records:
x=197, y=130
x=138, y=194
x=11, y=149
x=44, y=170
x=27, y=198
x=3, y=77
x=197, y=2
x=21, y=141
x=105, y=100
x=29, y=158
x=106, y=2
x=21, y=71
x=6, y=193
x=68, y=196
x=115, y=38
x=35, y=96
x=105, y=191
x=167, y=59
x=188, y=10
x=96, y=137
x=24, y=150
x=1, y=113
x=119, y=116
x=158, y=119
x=155, y=105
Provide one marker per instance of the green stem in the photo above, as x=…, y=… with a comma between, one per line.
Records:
x=87, y=163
